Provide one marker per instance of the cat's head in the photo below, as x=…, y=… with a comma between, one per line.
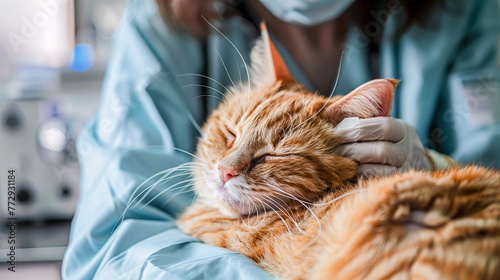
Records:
x=272, y=142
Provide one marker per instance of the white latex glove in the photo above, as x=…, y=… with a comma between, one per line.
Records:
x=382, y=145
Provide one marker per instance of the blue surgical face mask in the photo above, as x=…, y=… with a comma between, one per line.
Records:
x=306, y=12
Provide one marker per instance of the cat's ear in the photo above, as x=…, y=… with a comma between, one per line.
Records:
x=372, y=99
x=268, y=66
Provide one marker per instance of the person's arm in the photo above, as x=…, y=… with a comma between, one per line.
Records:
x=143, y=115
x=457, y=47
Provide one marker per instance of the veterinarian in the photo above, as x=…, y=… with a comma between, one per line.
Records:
x=169, y=66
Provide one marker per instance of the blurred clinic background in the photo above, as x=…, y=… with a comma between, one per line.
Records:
x=53, y=55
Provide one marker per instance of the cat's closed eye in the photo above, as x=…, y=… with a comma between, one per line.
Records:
x=262, y=159
x=230, y=132
x=257, y=160
x=231, y=137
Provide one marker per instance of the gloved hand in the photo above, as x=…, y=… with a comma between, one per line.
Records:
x=382, y=145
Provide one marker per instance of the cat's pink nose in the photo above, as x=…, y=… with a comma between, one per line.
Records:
x=227, y=173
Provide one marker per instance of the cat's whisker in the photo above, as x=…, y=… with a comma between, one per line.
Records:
x=165, y=190
x=249, y=204
x=317, y=234
x=332, y=93
x=240, y=79
x=210, y=78
x=310, y=210
x=208, y=95
x=150, y=188
x=198, y=164
x=286, y=194
x=201, y=167
x=263, y=216
x=187, y=190
x=193, y=122
x=188, y=153
x=205, y=86
x=292, y=216
x=288, y=214
x=247, y=199
x=254, y=225
x=161, y=180
x=239, y=70
x=258, y=214
x=316, y=204
x=195, y=197
x=304, y=105
x=144, y=195
x=313, y=215
x=229, y=76
x=113, y=157
x=133, y=196
x=277, y=213
x=195, y=163
x=234, y=46
x=317, y=220
x=340, y=197
x=225, y=68
x=247, y=225
x=180, y=187
x=167, y=172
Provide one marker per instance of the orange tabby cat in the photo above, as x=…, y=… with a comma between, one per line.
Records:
x=272, y=189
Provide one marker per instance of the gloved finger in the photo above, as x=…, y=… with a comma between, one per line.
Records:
x=380, y=152
x=371, y=170
x=372, y=129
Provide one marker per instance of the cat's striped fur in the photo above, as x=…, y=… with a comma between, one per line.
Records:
x=417, y=225
x=284, y=209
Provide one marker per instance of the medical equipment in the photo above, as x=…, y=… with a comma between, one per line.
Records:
x=37, y=146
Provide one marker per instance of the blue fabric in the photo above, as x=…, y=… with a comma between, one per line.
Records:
x=150, y=101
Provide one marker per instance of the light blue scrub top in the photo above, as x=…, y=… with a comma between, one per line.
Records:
x=449, y=92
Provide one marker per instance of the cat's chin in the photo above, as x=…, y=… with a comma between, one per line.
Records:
x=235, y=211
x=230, y=212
